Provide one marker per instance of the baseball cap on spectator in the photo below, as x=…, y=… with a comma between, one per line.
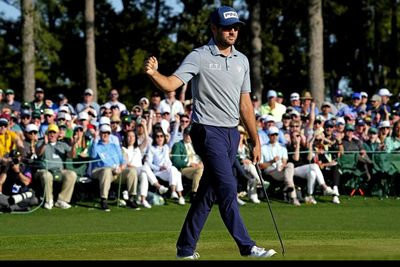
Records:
x=373, y=130
x=384, y=124
x=273, y=130
x=338, y=93
x=61, y=115
x=63, y=109
x=360, y=122
x=61, y=96
x=48, y=111
x=225, y=16
x=253, y=98
x=320, y=118
x=384, y=92
x=271, y=93
x=39, y=90
x=9, y=92
x=5, y=117
x=78, y=126
x=36, y=113
x=126, y=119
x=395, y=112
x=364, y=94
x=329, y=123
x=340, y=120
x=25, y=105
x=88, y=91
x=68, y=117
x=83, y=116
x=105, y=128
x=104, y=120
x=286, y=116
x=376, y=98
x=295, y=113
x=165, y=109
x=53, y=128
x=279, y=94
x=31, y=127
x=349, y=127
x=356, y=95
x=294, y=96
x=268, y=118
x=144, y=99
x=25, y=113
x=62, y=126
x=326, y=104
x=124, y=113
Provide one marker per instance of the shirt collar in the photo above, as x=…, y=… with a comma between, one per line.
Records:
x=215, y=50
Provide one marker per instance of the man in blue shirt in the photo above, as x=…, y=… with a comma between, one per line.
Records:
x=220, y=82
x=108, y=165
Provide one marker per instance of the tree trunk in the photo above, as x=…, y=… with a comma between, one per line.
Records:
x=91, y=81
x=256, y=48
x=28, y=50
x=316, y=65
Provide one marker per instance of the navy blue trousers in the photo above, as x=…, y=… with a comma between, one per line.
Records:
x=217, y=147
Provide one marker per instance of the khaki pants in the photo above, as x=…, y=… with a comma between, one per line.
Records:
x=286, y=175
x=105, y=176
x=193, y=174
x=68, y=179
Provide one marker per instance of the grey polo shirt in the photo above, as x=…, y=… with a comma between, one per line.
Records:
x=217, y=82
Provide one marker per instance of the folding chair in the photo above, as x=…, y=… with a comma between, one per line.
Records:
x=348, y=167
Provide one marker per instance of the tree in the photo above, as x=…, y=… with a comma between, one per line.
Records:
x=256, y=48
x=28, y=50
x=316, y=64
x=91, y=80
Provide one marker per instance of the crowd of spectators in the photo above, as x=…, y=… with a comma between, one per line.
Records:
x=147, y=148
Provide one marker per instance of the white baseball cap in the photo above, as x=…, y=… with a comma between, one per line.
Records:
x=104, y=120
x=384, y=92
x=273, y=130
x=63, y=108
x=83, y=116
x=294, y=96
x=88, y=91
x=271, y=93
x=31, y=127
x=105, y=128
x=384, y=124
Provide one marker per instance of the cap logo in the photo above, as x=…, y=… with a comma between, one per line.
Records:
x=230, y=14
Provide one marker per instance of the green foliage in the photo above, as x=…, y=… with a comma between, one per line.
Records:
x=364, y=49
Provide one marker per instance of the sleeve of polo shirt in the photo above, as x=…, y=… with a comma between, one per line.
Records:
x=246, y=86
x=189, y=68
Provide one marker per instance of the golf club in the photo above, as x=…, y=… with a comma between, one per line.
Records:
x=269, y=207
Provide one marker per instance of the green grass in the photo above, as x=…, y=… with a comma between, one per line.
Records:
x=358, y=229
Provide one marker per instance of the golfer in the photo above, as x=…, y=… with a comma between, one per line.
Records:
x=220, y=83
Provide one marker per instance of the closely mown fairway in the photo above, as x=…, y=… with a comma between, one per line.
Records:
x=358, y=229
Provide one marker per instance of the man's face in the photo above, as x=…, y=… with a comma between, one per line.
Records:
x=226, y=36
